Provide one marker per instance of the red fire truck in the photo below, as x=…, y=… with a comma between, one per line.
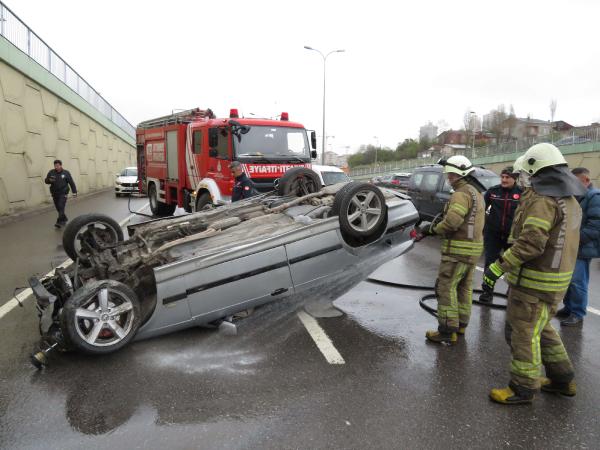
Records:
x=183, y=158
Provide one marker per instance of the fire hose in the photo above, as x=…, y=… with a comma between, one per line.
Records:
x=416, y=236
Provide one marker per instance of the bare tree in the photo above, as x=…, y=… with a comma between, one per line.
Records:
x=552, y=109
x=496, y=124
x=511, y=122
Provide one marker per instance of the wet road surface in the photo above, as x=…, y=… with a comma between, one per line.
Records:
x=270, y=386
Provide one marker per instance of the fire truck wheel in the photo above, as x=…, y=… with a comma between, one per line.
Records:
x=203, y=202
x=361, y=209
x=298, y=181
x=158, y=208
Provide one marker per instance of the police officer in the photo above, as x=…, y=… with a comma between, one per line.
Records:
x=461, y=230
x=60, y=180
x=500, y=201
x=243, y=186
x=538, y=267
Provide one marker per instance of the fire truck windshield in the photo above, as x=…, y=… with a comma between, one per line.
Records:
x=274, y=143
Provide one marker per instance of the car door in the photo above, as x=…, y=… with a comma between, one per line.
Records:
x=239, y=284
x=430, y=185
x=414, y=189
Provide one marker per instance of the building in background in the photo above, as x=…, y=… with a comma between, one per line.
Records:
x=428, y=131
x=333, y=159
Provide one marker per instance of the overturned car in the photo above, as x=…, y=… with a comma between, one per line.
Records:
x=204, y=267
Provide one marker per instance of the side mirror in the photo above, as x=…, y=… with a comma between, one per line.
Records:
x=313, y=140
x=313, y=154
x=212, y=152
x=213, y=138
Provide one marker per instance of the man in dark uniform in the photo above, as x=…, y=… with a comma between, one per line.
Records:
x=243, y=187
x=60, y=180
x=500, y=202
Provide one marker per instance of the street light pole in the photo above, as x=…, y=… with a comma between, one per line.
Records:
x=324, y=87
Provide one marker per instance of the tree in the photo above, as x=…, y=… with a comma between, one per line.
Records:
x=495, y=123
x=511, y=122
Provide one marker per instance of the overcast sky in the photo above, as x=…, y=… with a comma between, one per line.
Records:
x=405, y=62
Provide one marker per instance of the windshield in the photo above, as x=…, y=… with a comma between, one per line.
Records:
x=129, y=173
x=334, y=177
x=283, y=143
x=489, y=180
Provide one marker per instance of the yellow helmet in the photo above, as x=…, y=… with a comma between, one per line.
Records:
x=457, y=164
x=541, y=155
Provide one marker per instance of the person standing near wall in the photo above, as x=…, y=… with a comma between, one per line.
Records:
x=60, y=180
x=576, y=299
x=500, y=201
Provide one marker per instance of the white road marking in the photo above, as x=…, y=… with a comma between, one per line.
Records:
x=593, y=310
x=589, y=308
x=25, y=294
x=320, y=338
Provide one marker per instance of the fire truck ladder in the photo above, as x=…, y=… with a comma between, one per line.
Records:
x=179, y=117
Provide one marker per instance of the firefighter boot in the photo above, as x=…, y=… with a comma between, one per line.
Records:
x=512, y=395
x=441, y=338
x=569, y=389
x=462, y=329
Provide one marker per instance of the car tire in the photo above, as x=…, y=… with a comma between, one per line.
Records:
x=90, y=321
x=203, y=202
x=298, y=181
x=361, y=209
x=158, y=208
x=96, y=230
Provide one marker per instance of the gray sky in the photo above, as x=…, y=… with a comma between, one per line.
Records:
x=405, y=62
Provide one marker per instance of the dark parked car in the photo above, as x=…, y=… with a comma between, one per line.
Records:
x=394, y=181
x=430, y=190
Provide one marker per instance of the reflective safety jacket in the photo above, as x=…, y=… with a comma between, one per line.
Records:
x=545, y=240
x=461, y=228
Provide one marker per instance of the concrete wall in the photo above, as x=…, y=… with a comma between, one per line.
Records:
x=36, y=127
x=588, y=159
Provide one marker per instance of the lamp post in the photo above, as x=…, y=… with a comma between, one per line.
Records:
x=324, y=86
x=473, y=113
x=376, y=148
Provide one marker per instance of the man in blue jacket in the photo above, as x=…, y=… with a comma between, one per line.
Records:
x=60, y=180
x=576, y=298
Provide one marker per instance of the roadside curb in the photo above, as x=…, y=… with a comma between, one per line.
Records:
x=45, y=207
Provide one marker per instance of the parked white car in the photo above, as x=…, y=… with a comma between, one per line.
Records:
x=127, y=182
x=330, y=174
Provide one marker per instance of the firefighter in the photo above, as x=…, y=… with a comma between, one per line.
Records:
x=243, y=186
x=500, y=201
x=461, y=230
x=538, y=268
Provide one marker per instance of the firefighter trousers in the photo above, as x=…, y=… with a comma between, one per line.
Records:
x=454, y=292
x=533, y=341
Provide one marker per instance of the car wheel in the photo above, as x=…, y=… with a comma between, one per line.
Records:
x=158, y=208
x=361, y=209
x=90, y=231
x=298, y=181
x=203, y=202
x=101, y=317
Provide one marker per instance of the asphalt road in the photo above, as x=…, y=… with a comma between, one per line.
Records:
x=271, y=386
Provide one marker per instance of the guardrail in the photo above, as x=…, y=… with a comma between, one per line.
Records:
x=582, y=135
x=21, y=36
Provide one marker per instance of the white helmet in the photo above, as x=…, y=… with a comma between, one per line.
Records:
x=541, y=155
x=518, y=165
x=457, y=164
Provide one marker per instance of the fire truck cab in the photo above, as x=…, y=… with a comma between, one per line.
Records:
x=183, y=158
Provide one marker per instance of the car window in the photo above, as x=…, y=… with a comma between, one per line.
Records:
x=129, y=173
x=417, y=177
x=334, y=177
x=446, y=187
x=430, y=181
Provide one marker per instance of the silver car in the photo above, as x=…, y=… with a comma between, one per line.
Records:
x=208, y=266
